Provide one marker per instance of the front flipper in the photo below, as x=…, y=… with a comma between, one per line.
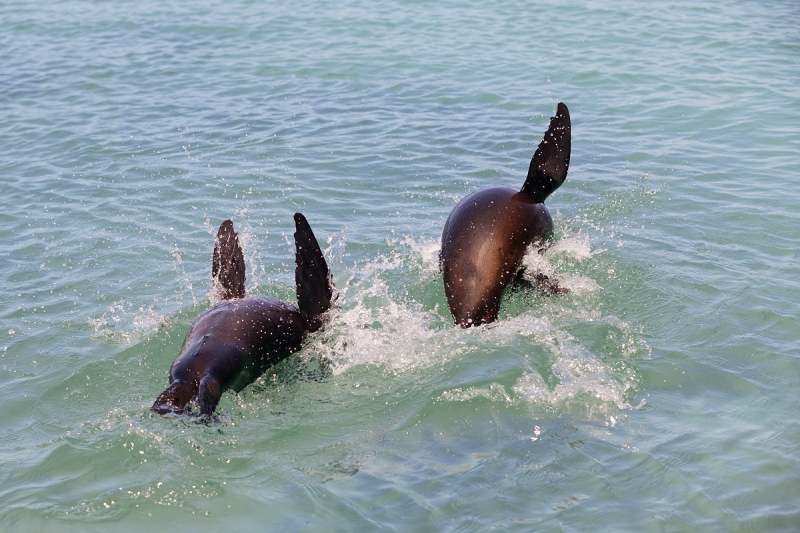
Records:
x=228, y=265
x=208, y=394
x=174, y=398
x=550, y=163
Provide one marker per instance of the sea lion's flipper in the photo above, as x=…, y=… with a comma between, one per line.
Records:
x=520, y=283
x=174, y=398
x=228, y=267
x=313, y=279
x=550, y=163
x=541, y=282
x=208, y=394
x=548, y=285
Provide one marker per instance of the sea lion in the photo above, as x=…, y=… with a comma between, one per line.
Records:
x=239, y=338
x=487, y=233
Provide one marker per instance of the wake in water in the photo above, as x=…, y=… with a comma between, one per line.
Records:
x=390, y=350
x=392, y=315
x=387, y=319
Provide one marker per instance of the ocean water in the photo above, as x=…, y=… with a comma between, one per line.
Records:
x=661, y=394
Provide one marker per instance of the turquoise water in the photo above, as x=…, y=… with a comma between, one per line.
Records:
x=661, y=394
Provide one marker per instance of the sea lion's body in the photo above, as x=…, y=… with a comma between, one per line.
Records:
x=487, y=233
x=483, y=244
x=237, y=339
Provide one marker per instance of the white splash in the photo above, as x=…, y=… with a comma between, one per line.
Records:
x=575, y=246
x=426, y=251
x=494, y=392
x=370, y=327
x=545, y=261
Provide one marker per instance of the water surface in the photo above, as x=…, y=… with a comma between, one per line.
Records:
x=659, y=395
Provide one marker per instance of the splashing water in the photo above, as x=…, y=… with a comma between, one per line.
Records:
x=378, y=325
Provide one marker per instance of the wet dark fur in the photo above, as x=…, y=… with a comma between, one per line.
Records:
x=236, y=340
x=488, y=232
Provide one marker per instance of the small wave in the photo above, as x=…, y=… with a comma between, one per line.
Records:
x=494, y=392
x=579, y=383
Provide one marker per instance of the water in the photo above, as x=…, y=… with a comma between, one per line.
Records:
x=659, y=395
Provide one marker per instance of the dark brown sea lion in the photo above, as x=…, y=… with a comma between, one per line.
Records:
x=238, y=339
x=487, y=233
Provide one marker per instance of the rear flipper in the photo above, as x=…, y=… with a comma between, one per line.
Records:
x=541, y=282
x=312, y=277
x=208, y=394
x=228, y=268
x=549, y=165
x=174, y=398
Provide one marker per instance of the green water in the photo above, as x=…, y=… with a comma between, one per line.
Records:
x=660, y=394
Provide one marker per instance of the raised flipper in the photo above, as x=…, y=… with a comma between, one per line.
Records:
x=312, y=277
x=228, y=266
x=550, y=163
x=174, y=398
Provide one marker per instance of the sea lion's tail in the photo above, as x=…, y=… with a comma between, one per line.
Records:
x=313, y=279
x=174, y=398
x=228, y=268
x=549, y=165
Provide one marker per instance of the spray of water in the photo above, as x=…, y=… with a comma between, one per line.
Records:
x=381, y=325
x=391, y=315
